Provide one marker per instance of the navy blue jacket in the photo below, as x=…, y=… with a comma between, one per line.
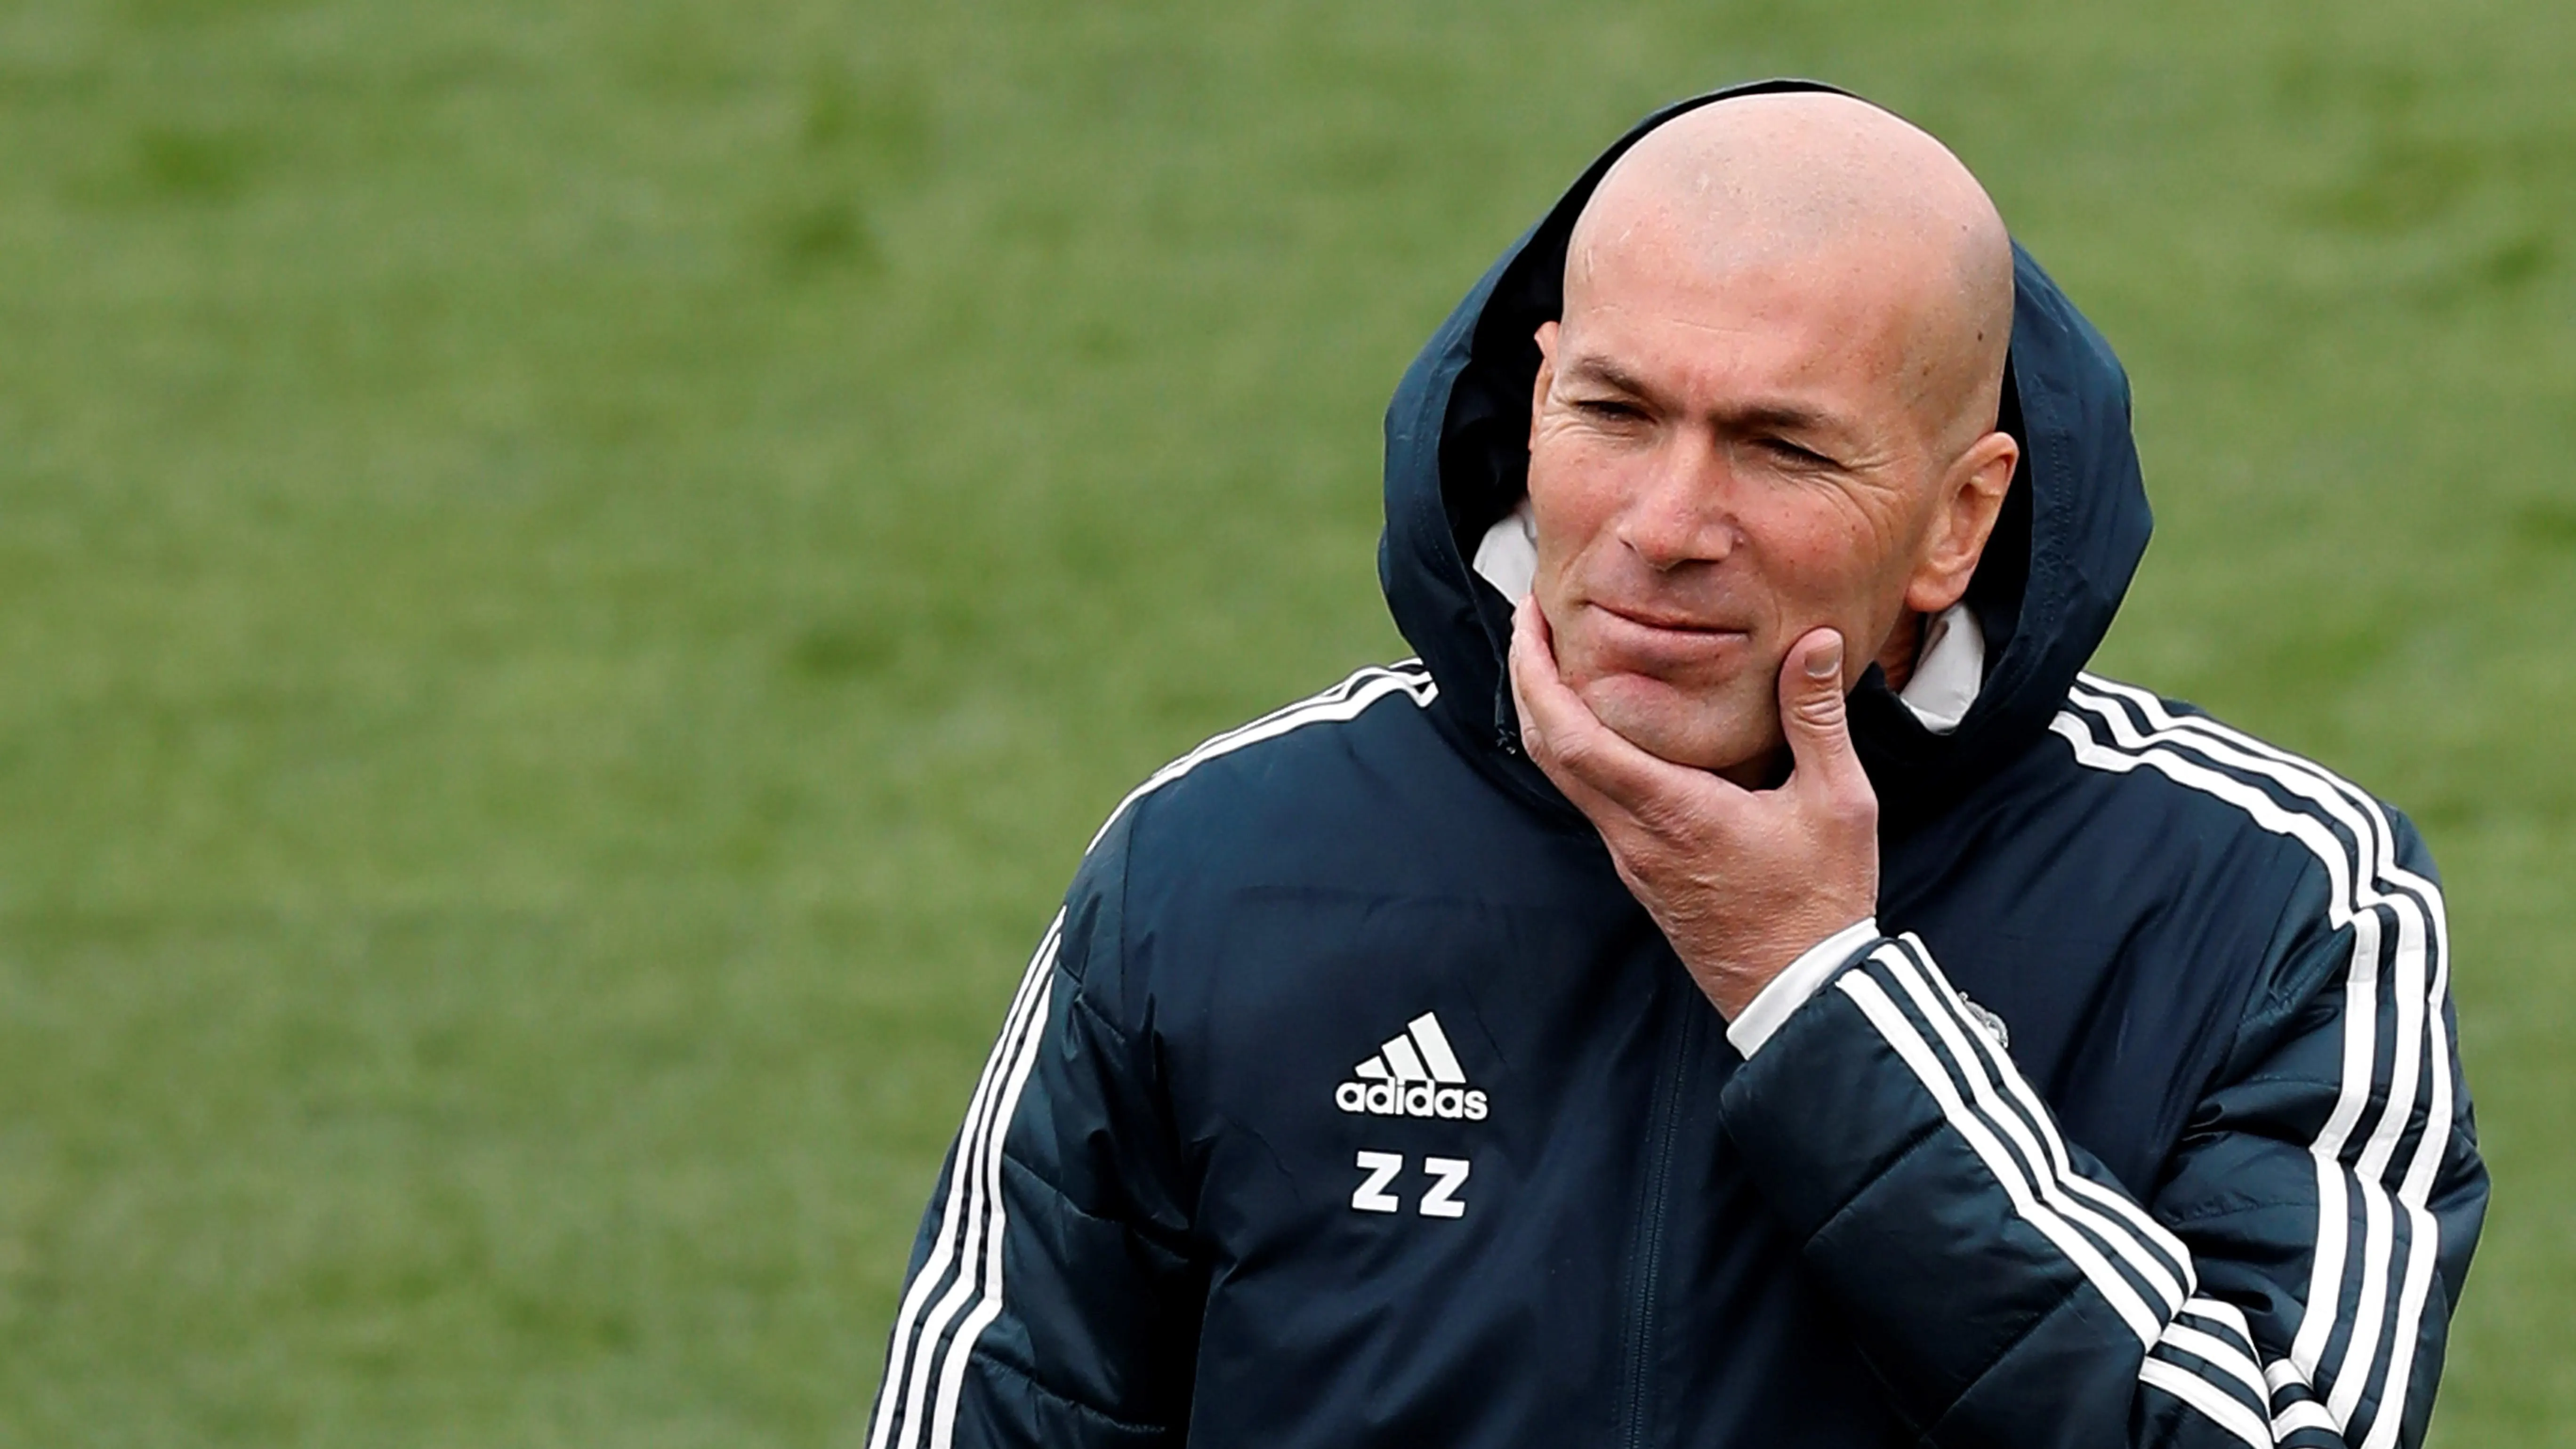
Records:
x=1352, y=1101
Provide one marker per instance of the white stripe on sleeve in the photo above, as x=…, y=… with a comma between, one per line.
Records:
x=2370, y=889
x=1938, y=1003
x=1917, y=1054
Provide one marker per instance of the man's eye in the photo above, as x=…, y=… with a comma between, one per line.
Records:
x=1793, y=455
x=1608, y=410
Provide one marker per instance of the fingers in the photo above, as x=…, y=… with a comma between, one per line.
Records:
x=1815, y=715
x=1582, y=755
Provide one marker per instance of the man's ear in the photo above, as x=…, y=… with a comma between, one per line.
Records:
x=1546, y=375
x=1971, y=499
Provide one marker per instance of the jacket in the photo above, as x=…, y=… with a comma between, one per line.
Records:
x=1350, y=1100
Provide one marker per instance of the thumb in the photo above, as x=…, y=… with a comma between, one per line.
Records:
x=1814, y=713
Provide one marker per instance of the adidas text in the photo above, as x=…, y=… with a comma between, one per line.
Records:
x=1415, y=1074
x=1410, y=1099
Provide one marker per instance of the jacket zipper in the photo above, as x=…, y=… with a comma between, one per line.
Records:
x=1648, y=1264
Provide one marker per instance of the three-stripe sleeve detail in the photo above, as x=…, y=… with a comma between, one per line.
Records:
x=2155, y=1256
x=2136, y=1266
x=957, y=1294
x=2206, y=1359
x=957, y=1258
x=2366, y=1292
x=2197, y=1349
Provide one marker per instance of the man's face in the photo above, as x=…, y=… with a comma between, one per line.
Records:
x=1725, y=454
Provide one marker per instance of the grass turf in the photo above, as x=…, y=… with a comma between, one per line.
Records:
x=573, y=576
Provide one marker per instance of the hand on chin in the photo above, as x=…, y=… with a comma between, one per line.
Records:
x=1743, y=868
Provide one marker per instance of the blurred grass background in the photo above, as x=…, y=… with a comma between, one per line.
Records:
x=573, y=577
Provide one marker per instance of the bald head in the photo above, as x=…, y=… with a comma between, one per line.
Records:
x=1844, y=196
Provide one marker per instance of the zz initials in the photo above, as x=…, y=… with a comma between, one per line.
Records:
x=1447, y=1174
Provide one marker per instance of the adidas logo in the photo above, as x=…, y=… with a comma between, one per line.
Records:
x=1413, y=1075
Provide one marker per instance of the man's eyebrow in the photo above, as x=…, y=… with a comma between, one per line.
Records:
x=1784, y=417
x=1607, y=373
x=1779, y=418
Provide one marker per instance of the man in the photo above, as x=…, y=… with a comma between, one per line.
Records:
x=1756, y=991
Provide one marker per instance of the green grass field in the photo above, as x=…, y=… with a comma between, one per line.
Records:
x=574, y=576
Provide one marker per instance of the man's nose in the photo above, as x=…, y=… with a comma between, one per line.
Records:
x=1678, y=514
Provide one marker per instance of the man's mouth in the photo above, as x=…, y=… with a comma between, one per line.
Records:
x=1655, y=641
x=1645, y=618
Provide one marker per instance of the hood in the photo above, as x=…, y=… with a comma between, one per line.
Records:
x=2073, y=528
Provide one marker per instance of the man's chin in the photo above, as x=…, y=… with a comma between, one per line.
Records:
x=1675, y=728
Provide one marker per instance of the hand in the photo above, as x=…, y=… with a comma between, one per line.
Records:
x=1742, y=882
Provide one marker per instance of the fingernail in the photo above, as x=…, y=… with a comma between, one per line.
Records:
x=1826, y=663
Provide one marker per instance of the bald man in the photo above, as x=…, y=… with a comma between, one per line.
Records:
x=1742, y=984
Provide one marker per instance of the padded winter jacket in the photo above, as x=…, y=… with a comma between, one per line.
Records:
x=1350, y=1100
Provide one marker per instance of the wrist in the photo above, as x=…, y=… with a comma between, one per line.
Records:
x=1762, y=1013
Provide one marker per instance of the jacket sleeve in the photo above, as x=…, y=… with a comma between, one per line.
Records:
x=2289, y=1280
x=1050, y=1298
